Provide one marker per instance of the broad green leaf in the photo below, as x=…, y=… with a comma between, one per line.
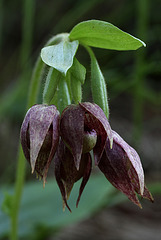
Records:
x=60, y=56
x=102, y=34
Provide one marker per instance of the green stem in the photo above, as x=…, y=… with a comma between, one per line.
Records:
x=35, y=82
x=20, y=177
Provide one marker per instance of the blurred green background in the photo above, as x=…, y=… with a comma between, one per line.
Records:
x=132, y=77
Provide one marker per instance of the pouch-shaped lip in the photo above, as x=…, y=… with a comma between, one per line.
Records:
x=97, y=120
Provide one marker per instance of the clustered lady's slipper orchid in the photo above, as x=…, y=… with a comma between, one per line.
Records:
x=80, y=129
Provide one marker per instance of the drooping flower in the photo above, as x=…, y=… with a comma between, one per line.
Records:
x=83, y=127
x=39, y=137
x=78, y=120
x=121, y=165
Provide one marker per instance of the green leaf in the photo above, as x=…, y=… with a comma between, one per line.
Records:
x=51, y=84
x=60, y=56
x=78, y=71
x=98, y=85
x=76, y=88
x=76, y=76
x=102, y=34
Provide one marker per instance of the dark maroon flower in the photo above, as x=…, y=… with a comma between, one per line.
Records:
x=39, y=137
x=83, y=127
x=121, y=165
x=79, y=121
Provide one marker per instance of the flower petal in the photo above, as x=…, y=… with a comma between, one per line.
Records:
x=41, y=117
x=23, y=136
x=72, y=130
x=135, y=181
x=112, y=165
x=67, y=174
x=88, y=163
x=97, y=120
x=58, y=158
x=55, y=140
x=134, y=159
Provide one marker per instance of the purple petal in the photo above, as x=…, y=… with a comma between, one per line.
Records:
x=96, y=119
x=66, y=172
x=72, y=130
x=135, y=181
x=147, y=194
x=41, y=117
x=55, y=140
x=134, y=159
x=23, y=136
x=112, y=165
x=58, y=163
x=87, y=159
